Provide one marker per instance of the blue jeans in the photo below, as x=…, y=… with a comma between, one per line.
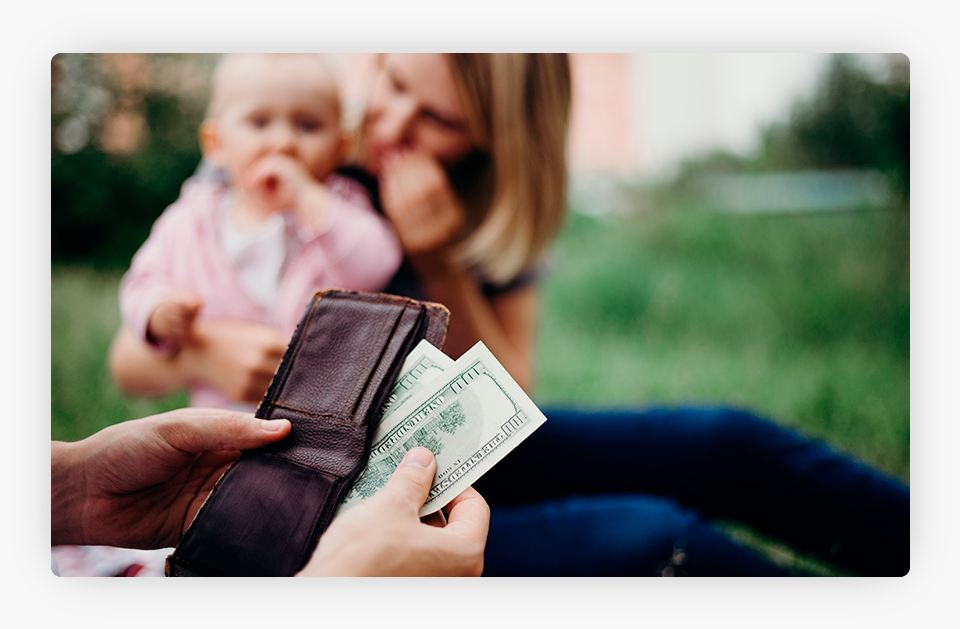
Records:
x=632, y=493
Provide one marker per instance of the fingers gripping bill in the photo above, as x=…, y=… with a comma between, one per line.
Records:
x=470, y=415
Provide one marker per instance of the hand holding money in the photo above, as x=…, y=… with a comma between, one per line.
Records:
x=385, y=537
x=469, y=414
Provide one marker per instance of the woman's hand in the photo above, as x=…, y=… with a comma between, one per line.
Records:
x=384, y=536
x=140, y=483
x=428, y=217
x=238, y=358
x=418, y=199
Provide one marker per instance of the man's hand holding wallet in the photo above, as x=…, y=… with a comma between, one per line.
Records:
x=347, y=359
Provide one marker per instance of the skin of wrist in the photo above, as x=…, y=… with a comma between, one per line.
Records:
x=353, y=558
x=67, y=492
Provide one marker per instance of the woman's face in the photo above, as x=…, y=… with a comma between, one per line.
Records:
x=415, y=105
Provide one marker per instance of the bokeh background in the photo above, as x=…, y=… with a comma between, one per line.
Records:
x=738, y=234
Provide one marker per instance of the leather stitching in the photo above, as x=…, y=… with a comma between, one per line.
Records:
x=329, y=416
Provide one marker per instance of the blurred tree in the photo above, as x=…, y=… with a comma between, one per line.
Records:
x=124, y=140
x=854, y=121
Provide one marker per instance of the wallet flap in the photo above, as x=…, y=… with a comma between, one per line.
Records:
x=267, y=512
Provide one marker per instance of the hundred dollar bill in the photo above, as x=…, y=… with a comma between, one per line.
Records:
x=470, y=417
x=422, y=365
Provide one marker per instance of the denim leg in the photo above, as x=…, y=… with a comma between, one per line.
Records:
x=612, y=536
x=723, y=463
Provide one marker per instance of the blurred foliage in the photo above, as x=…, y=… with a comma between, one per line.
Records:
x=804, y=317
x=124, y=140
x=853, y=121
x=84, y=319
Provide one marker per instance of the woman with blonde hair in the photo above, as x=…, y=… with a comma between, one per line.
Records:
x=466, y=154
x=475, y=184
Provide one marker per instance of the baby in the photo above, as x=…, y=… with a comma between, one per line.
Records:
x=276, y=225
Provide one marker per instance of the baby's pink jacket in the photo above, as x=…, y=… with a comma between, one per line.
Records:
x=358, y=250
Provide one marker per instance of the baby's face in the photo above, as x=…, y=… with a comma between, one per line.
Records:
x=278, y=104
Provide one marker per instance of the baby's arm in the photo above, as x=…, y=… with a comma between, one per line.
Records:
x=279, y=182
x=171, y=322
x=358, y=249
x=155, y=301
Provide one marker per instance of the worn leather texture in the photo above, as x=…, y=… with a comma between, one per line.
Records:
x=265, y=515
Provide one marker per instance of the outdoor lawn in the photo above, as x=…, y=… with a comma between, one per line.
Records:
x=802, y=317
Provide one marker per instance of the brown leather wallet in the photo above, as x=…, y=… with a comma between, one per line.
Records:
x=265, y=515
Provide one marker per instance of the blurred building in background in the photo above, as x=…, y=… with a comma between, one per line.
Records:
x=818, y=121
x=640, y=114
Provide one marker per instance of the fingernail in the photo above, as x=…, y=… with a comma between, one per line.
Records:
x=272, y=425
x=418, y=457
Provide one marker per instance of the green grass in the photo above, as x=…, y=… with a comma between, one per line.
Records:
x=803, y=318
x=84, y=317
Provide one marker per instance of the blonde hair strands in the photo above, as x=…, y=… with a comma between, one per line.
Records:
x=518, y=109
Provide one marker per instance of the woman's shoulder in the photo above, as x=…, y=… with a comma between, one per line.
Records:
x=527, y=278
